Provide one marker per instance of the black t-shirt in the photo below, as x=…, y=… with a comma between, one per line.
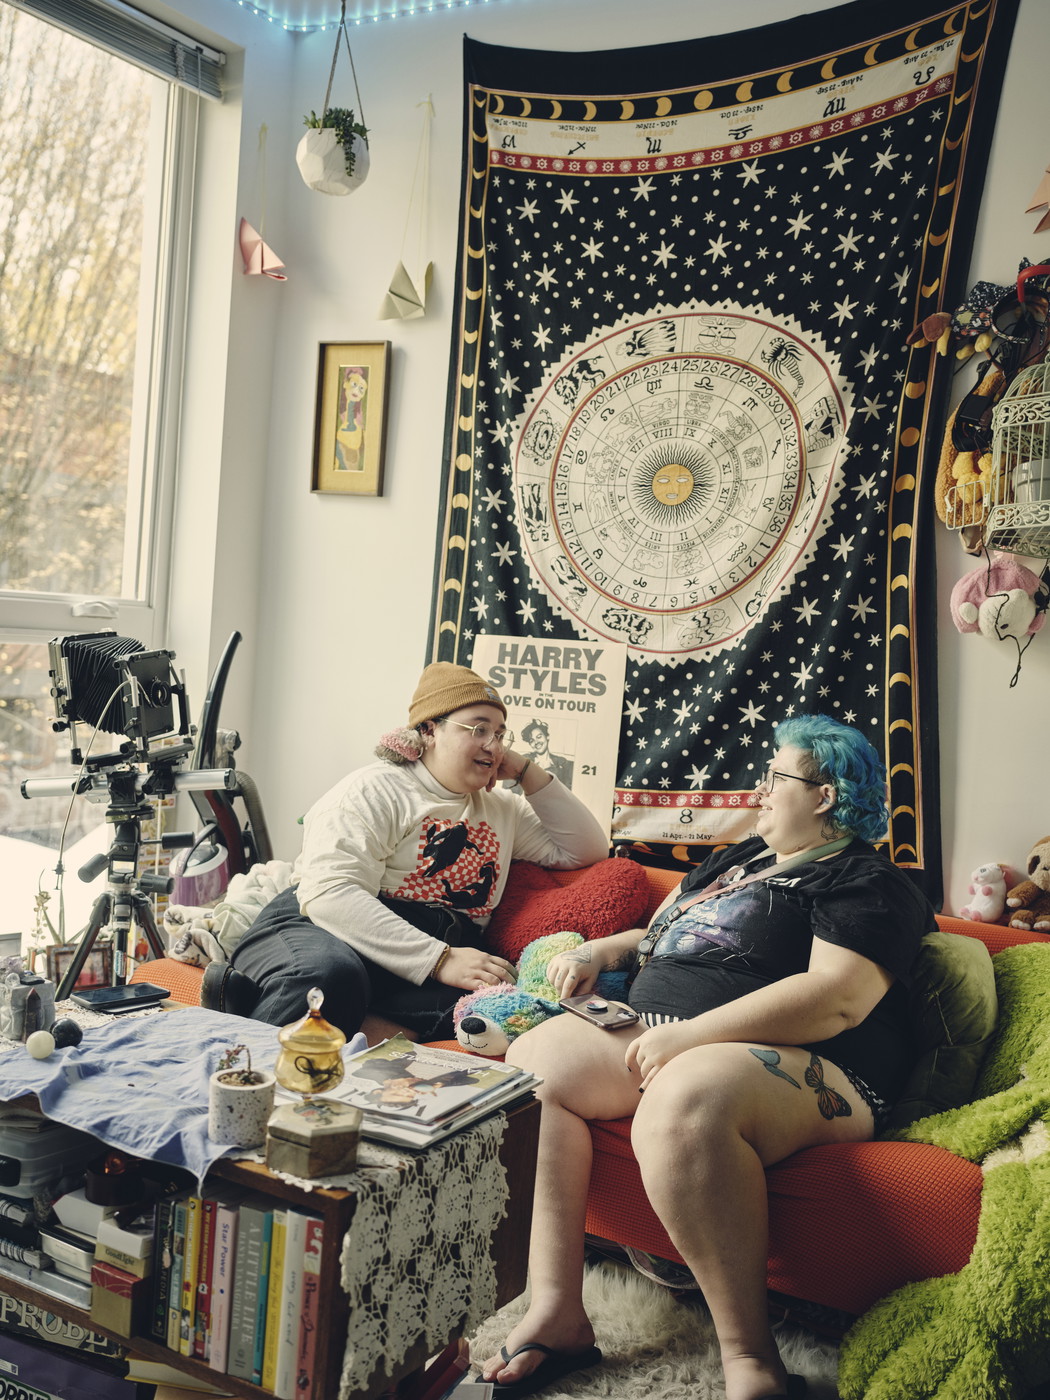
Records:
x=721, y=949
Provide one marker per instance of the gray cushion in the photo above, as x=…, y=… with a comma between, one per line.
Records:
x=954, y=1014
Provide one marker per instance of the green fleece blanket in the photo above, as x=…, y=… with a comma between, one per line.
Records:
x=983, y=1333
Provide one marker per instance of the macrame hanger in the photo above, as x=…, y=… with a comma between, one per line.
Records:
x=263, y=132
x=342, y=33
x=420, y=188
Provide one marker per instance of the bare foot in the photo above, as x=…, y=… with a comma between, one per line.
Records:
x=749, y=1376
x=557, y=1327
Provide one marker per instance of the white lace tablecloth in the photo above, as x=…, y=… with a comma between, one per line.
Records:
x=417, y=1260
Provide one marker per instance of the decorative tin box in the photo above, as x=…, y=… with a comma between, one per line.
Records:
x=317, y=1137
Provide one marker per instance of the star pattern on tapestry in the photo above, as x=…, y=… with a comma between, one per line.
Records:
x=686, y=416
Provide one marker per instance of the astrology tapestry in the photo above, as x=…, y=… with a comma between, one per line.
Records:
x=682, y=413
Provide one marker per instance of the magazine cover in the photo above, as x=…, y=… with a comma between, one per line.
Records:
x=398, y=1079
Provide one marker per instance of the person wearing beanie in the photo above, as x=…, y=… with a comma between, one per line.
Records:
x=402, y=865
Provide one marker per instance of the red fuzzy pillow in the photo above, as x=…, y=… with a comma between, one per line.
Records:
x=603, y=899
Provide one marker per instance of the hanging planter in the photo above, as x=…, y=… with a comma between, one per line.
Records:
x=333, y=155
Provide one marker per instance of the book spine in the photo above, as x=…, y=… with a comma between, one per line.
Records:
x=189, y=1275
x=162, y=1223
x=227, y=1221
x=262, y=1300
x=205, y=1264
x=178, y=1247
x=273, y=1300
x=290, y=1305
x=309, y=1310
x=245, y=1291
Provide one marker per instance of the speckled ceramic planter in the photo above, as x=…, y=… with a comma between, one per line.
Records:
x=238, y=1113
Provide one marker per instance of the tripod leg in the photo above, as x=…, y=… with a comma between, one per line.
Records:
x=100, y=914
x=142, y=911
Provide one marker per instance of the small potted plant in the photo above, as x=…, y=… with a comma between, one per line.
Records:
x=333, y=155
x=240, y=1100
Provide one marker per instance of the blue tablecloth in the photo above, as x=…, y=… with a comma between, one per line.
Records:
x=142, y=1084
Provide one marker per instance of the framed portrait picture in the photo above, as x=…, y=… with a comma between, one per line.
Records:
x=350, y=427
x=96, y=972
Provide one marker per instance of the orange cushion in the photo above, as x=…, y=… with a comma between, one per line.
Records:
x=181, y=979
x=995, y=937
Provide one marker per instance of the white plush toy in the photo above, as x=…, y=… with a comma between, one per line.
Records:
x=987, y=895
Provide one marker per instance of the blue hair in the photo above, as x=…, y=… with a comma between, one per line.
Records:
x=841, y=756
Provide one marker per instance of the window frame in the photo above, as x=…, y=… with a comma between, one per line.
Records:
x=141, y=611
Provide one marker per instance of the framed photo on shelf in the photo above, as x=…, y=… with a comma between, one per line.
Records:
x=350, y=426
x=96, y=972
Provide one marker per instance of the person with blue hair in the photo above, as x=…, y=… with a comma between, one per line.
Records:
x=772, y=992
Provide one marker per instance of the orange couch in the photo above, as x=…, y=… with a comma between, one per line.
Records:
x=848, y=1223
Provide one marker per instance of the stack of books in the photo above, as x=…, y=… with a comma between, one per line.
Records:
x=236, y=1286
x=416, y=1095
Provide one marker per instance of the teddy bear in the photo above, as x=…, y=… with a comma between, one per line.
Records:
x=1030, y=900
x=999, y=599
x=987, y=892
x=488, y=1020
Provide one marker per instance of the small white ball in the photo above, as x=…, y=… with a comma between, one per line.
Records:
x=40, y=1044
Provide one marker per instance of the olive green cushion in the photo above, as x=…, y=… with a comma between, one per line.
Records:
x=954, y=1012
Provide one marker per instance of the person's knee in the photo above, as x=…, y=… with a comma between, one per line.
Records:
x=695, y=1102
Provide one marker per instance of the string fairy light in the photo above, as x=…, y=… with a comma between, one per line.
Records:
x=399, y=9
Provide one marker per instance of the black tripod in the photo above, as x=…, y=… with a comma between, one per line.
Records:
x=125, y=900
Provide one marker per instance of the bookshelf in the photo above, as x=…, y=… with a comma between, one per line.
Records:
x=336, y=1208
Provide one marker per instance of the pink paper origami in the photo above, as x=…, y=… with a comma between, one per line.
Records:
x=259, y=257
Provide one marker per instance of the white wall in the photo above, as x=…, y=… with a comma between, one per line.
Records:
x=333, y=593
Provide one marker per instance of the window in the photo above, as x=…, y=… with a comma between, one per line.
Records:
x=96, y=172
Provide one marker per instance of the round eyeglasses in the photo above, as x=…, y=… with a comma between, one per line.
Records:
x=485, y=734
x=769, y=781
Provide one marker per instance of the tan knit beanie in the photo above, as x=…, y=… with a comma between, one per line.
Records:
x=444, y=687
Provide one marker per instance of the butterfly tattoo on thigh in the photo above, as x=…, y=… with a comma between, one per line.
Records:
x=830, y=1102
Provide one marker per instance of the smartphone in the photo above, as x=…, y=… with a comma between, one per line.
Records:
x=114, y=1000
x=610, y=1015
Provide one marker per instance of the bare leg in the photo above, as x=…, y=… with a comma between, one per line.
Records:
x=584, y=1077
x=711, y=1121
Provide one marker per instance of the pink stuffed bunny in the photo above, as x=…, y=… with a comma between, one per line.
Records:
x=987, y=895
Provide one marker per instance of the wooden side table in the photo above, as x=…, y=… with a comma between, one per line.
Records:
x=336, y=1207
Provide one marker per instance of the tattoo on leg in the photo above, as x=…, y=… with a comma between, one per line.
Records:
x=830, y=1103
x=771, y=1059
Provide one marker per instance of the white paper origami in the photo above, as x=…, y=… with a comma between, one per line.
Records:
x=259, y=257
x=406, y=299
x=322, y=162
x=1041, y=200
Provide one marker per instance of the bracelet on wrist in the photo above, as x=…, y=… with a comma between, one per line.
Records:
x=441, y=958
x=524, y=770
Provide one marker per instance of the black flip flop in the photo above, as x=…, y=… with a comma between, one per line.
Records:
x=554, y=1365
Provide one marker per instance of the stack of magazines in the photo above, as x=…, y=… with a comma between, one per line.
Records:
x=415, y=1095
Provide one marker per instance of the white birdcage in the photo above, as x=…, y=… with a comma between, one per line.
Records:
x=1018, y=501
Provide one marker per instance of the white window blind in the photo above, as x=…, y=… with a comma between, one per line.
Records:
x=121, y=29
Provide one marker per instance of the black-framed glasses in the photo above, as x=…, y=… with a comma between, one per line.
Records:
x=485, y=734
x=769, y=781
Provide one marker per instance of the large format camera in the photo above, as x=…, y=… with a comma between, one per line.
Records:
x=116, y=687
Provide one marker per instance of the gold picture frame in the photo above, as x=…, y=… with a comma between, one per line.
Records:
x=350, y=426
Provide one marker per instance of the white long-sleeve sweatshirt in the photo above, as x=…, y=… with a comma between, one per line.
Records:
x=397, y=831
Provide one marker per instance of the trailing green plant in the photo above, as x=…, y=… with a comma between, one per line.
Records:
x=344, y=123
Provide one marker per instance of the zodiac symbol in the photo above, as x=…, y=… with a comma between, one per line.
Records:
x=783, y=357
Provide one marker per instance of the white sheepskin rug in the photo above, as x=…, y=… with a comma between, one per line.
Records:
x=656, y=1346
